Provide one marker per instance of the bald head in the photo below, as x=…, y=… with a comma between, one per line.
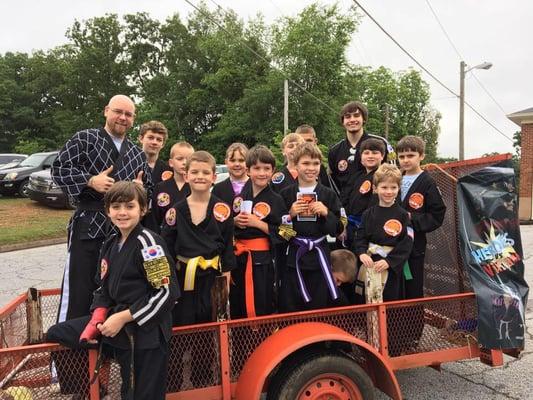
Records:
x=119, y=115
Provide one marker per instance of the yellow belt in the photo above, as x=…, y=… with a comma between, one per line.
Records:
x=193, y=264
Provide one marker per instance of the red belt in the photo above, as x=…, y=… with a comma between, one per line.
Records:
x=247, y=246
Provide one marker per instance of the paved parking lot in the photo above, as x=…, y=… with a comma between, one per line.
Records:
x=467, y=380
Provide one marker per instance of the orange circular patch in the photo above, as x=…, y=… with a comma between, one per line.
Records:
x=166, y=175
x=221, y=211
x=103, y=268
x=261, y=210
x=342, y=165
x=170, y=217
x=365, y=187
x=416, y=200
x=392, y=227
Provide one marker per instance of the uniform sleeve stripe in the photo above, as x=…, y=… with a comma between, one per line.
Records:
x=142, y=240
x=154, y=305
x=150, y=237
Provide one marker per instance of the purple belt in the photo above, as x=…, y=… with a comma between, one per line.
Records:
x=305, y=245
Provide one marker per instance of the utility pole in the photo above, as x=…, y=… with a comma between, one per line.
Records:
x=462, y=111
x=286, y=107
x=386, y=121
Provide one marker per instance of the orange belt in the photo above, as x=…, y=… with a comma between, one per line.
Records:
x=247, y=246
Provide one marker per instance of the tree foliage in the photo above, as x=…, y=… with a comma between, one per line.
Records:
x=212, y=79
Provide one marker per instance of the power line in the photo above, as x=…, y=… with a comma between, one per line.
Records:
x=427, y=71
x=256, y=53
x=461, y=57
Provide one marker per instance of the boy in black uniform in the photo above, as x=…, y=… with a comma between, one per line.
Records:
x=255, y=229
x=384, y=240
x=152, y=136
x=344, y=158
x=131, y=309
x=288, y=175
x=307, y=282
x=420, y=196
x=199, y=233
x=229, y=189
x=361, y=195
x=171, y=191
x=383, y=243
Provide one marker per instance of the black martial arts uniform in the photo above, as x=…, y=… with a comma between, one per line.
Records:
x=424, y=202
x=211, y=238
x=87, y=154
x=345, y=163
x=269, y=207
x=161, y=171
x=138, y=276
x=166, y=193
x=224, y=191
x=316, y=285
x=387, y=226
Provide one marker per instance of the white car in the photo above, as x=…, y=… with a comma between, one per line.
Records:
x=222, y=172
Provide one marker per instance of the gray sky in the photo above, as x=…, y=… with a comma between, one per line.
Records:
x=488, y=30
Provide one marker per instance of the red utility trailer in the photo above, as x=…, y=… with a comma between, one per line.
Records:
x=340, y=353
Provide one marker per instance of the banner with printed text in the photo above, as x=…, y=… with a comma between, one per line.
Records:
x=492, y=252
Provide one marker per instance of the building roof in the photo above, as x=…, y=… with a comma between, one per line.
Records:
x=521, y=117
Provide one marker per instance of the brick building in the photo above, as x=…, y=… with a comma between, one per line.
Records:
x=524, y=119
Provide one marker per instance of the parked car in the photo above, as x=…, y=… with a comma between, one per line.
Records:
x=222, y=172
x=43, y=190
x=16, y=180
x=10, y=160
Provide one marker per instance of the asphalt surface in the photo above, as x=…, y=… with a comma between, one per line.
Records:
x=42, y=268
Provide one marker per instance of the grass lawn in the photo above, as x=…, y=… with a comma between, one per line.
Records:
x=23, y=220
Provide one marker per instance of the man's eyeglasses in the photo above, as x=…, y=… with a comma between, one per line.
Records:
x=351, y=159
x=127, y=114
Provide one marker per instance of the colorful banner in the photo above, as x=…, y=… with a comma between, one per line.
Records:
x=491, y=247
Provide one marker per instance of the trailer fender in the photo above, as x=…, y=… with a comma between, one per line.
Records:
x=285, y=342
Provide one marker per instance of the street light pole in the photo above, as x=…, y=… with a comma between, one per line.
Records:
x=462, y=111
x=462, y=73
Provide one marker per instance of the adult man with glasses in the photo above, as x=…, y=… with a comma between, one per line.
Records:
x=87, y=166
x=344, y=158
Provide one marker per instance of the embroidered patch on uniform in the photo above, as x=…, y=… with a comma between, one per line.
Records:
x=103, y=268
x=392, y=227
x=416, y=200
x=163, y=199
x=237, y=201
x=156, y=266
x=410, y=232
x=166, y=175
x=221, y=211
x=278, y=177
x=170, y=217
x=342, y=165
x=261, y=210
x=286, y=219
x=365, y=187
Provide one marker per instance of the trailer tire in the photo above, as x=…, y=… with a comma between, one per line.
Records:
x=337, y=376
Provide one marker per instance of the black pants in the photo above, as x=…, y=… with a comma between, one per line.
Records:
x=291, y=298
x=194, y=307
x=263, y=277
x=79, y=274
x=150, y=365
x=414, y=289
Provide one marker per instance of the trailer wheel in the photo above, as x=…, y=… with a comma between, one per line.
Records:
x=323, y=376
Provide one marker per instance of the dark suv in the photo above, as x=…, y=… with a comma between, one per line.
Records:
x=43, y=190
x=16, y=180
